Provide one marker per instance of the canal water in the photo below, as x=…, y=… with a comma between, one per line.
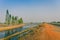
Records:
x=3, y=34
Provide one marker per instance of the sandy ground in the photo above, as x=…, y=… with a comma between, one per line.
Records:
x=50, y=32
x=11, y=27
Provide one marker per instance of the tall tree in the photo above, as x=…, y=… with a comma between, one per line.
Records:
x=16, y=18
x=9, y=19
x=13, y=19
x=7, y=16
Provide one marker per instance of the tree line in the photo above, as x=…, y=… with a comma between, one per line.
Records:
x=11, y=20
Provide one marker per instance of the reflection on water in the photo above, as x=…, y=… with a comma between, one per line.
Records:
x=2, y=34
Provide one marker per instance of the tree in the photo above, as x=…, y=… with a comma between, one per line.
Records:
x=7, y=16
x=20, y=21
x=9, y=19
x=13, y=19
x=16, y=18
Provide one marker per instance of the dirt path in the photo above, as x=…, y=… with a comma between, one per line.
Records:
x=50, y=32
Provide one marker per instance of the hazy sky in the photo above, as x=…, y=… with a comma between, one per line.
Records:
x=31, y=10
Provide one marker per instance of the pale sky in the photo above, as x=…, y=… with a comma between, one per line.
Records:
x=31, y=10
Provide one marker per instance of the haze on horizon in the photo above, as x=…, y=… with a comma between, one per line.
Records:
x=31, y=10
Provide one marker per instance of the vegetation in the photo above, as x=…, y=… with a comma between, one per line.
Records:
x=20, y=21
x=55, y=23
x=7, y=17
x=12, y=19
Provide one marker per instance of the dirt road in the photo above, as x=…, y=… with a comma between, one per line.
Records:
x=50, y=32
